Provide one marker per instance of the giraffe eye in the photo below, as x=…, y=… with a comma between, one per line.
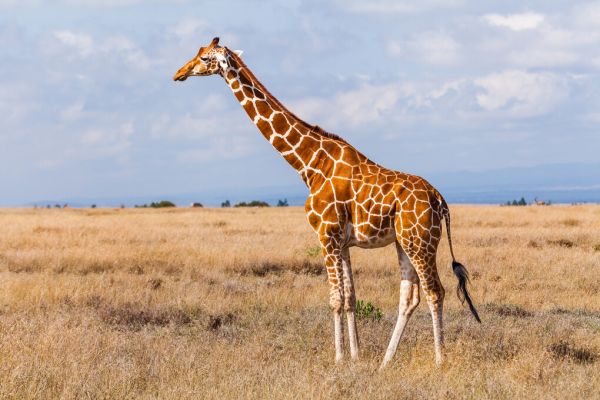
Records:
x=204, y=59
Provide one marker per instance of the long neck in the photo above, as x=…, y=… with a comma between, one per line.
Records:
x=297, y=141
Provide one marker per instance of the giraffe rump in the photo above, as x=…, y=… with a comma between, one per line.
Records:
x=461, y=290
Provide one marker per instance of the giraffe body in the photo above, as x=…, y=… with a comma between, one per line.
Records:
x=353, y=202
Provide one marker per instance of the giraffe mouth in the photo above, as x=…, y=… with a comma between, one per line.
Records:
x=180, y=77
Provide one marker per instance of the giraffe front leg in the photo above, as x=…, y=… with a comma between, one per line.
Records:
x=333, y=263
x=350, y=303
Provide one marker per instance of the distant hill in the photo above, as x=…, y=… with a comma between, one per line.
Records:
x=558, y=183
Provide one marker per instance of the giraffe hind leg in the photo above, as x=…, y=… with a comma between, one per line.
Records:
x=409, y=300
x=425, y=266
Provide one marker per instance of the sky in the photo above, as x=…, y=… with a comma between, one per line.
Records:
x=89, y=109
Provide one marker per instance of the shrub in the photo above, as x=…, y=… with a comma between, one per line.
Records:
x=161, y=204
x=282, y=203
x=253, y=203
x=564, y=350
x=313, y=251
x=367, y=311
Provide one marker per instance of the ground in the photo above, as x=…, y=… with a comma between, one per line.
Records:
x=233, y=303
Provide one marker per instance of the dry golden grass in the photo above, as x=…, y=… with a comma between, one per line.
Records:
x=232, y=303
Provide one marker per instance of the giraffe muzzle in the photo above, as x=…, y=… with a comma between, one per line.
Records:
x=180, y=76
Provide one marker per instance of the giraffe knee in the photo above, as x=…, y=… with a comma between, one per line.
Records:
x=415, y=297
x=336, y=301
x=409, y=297
x=436, y=294
x=349, y=302
x=336, y=305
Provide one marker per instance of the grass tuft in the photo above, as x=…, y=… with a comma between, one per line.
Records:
x=566, y=351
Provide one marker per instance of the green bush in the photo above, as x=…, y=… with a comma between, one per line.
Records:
x=160, y=204
x=367, y=311
x=313, y=251
x=253, y=203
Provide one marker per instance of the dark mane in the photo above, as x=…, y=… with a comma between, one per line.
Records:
x=320, y=131
x=311, y=128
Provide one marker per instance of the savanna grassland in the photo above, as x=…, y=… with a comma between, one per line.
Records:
x=233, y=303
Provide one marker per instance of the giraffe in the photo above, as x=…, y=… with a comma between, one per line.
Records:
x=352, y=202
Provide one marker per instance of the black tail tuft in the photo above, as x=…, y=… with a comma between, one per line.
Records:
x=461, y=290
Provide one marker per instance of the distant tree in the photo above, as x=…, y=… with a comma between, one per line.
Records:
x=282, y=203
x=225, y=204
x=47, y=205
x=197, y=205
x=162, y=204
x=514, y=203
x=57, y=206
x=93, y=206
x=522, y=202
x=253, y=203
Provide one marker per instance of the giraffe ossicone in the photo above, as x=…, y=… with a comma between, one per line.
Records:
x=353, y=202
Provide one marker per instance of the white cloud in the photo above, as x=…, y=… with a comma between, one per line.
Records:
x=88, y=3
x=73, y=112
x=350, y=108
x=510, y=94
x=520, y=93
x=189, y=27
x=396, y=6
x=434, y=48
x=120, y=46
x=83, y=43
x=217, y=148
x=515, y=22
x=107, y=142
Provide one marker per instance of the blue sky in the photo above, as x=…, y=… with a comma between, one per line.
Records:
x=89, y=108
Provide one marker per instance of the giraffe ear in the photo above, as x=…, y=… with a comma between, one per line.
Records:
x=239, y=52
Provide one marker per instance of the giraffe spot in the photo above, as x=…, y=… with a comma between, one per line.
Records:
x=265, y=127
x=280, y=124
x=249, y=107
x=258, y=94
x=293, y=136
x=248, y=92
x=280, y=144
x=262, y=107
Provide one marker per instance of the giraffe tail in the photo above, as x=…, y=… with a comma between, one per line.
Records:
x=459, y=270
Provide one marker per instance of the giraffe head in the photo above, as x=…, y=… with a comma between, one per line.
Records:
x=210, y=60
